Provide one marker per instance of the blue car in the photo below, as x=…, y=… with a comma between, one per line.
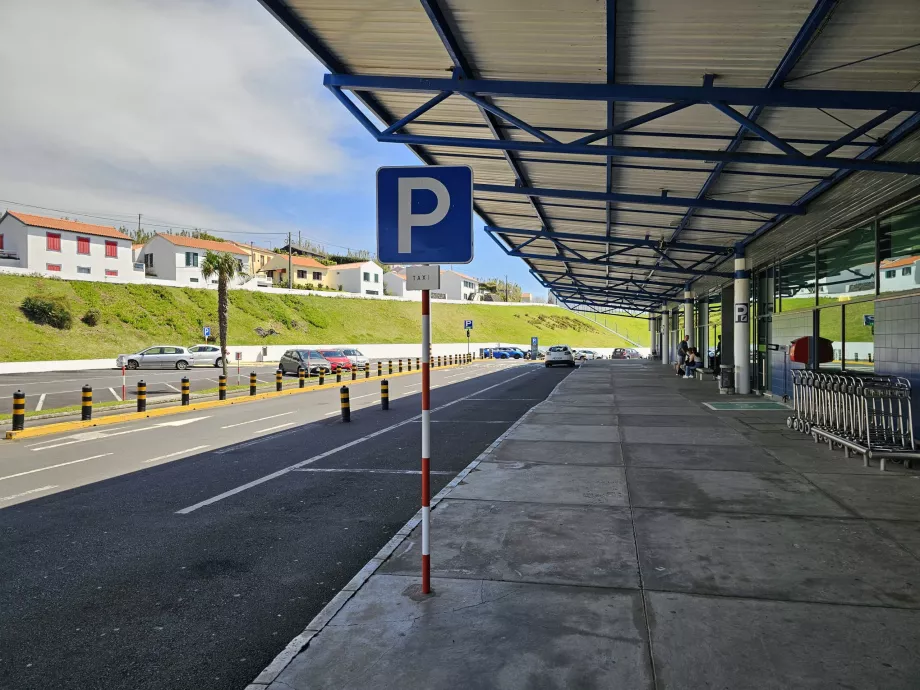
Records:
x=507, y=353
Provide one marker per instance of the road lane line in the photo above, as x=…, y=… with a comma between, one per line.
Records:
x=169, y=385
x=358, y=397
x=115, y=395
x=52, y=467
x=26, y=493
x=369, y=471
x=260, y=419
x=172, y=455
x=99, y=435
x=329, y=414
x=272, y=428
x=309, y=461
x=41, y=402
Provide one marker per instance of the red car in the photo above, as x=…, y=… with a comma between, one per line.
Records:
x=337, y=359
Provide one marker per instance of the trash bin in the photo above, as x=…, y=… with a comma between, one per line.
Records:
x=726, y=379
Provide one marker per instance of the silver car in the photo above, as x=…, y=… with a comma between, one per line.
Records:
x=355, y=357
x=158, y=357
x=207, y=355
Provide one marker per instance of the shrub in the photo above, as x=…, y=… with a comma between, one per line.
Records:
x=92, y=317
x=47, y=311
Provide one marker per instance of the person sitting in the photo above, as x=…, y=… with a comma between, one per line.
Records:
x=691, y=363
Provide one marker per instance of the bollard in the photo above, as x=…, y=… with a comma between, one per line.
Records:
x=439, y=360
x=322, y=376
x=19, y=411
x=279, y=380
x=221, y=387
x=338, y=373
x=186, y=386
x=252, y=383
x=384, y=395
x=417, y=365
x=367, y=370
x=141, y=396
x=452, y=360
x=301, y=376
x=391, y=366
x=400, y=366
x=346, y=405
x=379, y=369
x=408, y=364
x=86, y=407
x=354, y=372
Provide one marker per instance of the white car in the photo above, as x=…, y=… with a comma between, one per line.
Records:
x=207, y=355
x=355, y=357
x=586, y=354
x=158, y=357
x=560, y=354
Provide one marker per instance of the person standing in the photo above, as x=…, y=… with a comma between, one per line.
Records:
x=682, y=350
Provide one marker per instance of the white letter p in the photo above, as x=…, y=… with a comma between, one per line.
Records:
x=407, y=219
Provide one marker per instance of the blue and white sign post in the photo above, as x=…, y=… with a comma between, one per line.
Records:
x=207, y=333
x=468, y=325
x=534, y=347
x=425, y=216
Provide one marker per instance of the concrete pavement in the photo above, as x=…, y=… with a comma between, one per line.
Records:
x=660, y=545
x=193, y=570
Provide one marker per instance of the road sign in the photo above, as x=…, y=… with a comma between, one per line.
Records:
x=425, y=214
x=468, y=324
x=868, y=319
x=534, y=347
x=207, y=332
x=423, y=277
x=741, y=313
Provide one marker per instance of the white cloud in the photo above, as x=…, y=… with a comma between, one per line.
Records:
x=110, y=103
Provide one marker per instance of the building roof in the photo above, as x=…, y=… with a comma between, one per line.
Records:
x=135, y=246
x=463, y=275
x=305, y=261
x=67, y=225
x=887, y=264
x=209, y=245
x=351, y=265
x=396, y=275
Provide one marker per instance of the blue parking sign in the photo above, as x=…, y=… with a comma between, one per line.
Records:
x=468, y=324
x=207, y=332
x=425, y=214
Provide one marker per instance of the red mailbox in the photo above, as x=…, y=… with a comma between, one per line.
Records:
x=800, y=350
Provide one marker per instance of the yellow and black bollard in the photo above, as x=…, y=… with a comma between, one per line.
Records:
x=400, y=366
x=418, y=363
x=19, y=411
x=141, y=396
x=408, y=364
x=279, y=380
x=346, y=405
x=322, y=376
x=384, y=395
x=186, y=388
x=439, y=360
x=379, y=369
x=221, y=387
x=338, y=373
x=391, y=366
x=301, y=376
x=354, y=372
x=367, y=370
x=86, y=408
x=253, y=380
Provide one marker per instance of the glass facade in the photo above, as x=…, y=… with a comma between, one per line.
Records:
x=899, y=251
x=846, y=266
x=796, y=284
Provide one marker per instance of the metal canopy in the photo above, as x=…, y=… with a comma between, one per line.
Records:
x=624, y=152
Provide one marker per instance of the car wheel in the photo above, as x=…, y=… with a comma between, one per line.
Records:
x=181, y=365
x=132, y=364
x=548, y=365
x=219, y=363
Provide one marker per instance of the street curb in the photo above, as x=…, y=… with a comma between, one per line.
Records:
x=271, y=672
x=59, y=427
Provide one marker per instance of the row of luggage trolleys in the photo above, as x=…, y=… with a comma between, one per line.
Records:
x=866, y=414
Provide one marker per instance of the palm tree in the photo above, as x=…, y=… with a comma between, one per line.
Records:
x=226, y=267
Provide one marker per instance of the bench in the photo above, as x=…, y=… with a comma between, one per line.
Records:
x=700, y=372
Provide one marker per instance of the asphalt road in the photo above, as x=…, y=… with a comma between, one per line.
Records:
x=188, y=555
x=51, y=390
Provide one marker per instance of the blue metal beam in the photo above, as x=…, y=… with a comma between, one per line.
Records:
x=600, y=239
x=857, y=132
x=641, y=199
x=637, y=93
x=579, y=277
x=604, y=263
x=635, y=122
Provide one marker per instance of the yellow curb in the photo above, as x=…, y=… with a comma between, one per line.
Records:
x=60, y=427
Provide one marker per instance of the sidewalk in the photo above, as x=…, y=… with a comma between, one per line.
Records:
x=622, y=535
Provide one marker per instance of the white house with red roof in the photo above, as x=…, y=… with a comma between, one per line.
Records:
x=178, y=259
x=459, y=286
x=66, y=248
x=361, y=278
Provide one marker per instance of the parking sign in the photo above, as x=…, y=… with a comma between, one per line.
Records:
x=207, y=332
x=425, y=214
x=468, y=324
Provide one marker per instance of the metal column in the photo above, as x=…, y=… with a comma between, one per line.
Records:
x=742, y=324
x=689, y=326
x=665, y=336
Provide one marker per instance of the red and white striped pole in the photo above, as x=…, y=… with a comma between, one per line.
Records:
x=124, y=387
x=426, y=440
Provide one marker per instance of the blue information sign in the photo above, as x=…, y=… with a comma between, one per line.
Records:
x=468, y=324
x=207, y=332
x=425, y=215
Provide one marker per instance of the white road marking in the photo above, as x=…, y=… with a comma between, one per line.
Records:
x=260, y=419
x=179, y=422
x=115, y=395
x=471, y=421
x=52, y=467
x=272, y=428
x=172, y=455
x=26, y=493
x=96, y=435
x=309, y=461
x=336, y=469
x=358, y=397
x=41, y=403
x=169, y=385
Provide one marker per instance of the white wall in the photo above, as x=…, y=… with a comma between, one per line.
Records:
x=15, y=239
x=452, y=286
x=169, y=263
x=352, y=279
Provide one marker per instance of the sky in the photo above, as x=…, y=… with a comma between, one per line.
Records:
x=193, y=113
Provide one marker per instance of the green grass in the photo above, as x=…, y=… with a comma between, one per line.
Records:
x=136, y=316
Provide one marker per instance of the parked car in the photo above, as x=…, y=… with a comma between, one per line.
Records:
x=588, y=354
x=507, y=353
x=158, y=357
x=355, y=357
x=207, y=355
x=626, y=353
x=336, y=357
x=311, y=360
x=560, y=354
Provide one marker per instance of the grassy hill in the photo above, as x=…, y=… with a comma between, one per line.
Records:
x=135, y=316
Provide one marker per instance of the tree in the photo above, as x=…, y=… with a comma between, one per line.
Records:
x=226, y=267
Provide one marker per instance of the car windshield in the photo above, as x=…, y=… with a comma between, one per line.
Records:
x=558, y=348
x=352, y=353
x=332, y=353
x=305, y=354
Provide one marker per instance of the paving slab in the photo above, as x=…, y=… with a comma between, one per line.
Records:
x=526, y=542
x=662, y=408
x=819, y=460
x=559, y=453
x=881, y=496
x=685, y=420
x=718, y=642
x=539, y=483
x=586, y=399
x=685, y=436
x=566, y=432
x=775, y=493
x=548, y=636
x=569, y=408
x=907, y=534
x=578, y=419
x=828, y=560
x=697, y=457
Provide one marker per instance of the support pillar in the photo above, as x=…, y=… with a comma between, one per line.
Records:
x=742, y=324
x=652, y=322
x=689, y=326
x=665, y=336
